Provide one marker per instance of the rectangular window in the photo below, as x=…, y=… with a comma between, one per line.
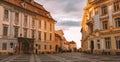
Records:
x=117, y=42
x=45, y=25
x=45, y=47
x=105, y=25
x=108, y=43
x=33, y=33
x=25, y=33
x=5, y=30
x=16, y=32
x=33, y=23
x=45, y=36
x=98, y=46
x=117, y=22
x=16, y=18
x=50, y=36
x=25, y=20
x=104, y=10
x=39, y=35
x=116, y=6
x=4, y=46
x=39, y=24
x=39, y=47
x=50, y=47
x=6, y=14
x=50, y=27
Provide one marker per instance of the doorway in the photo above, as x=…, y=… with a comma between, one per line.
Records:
x=92, y=46
x=26, y=45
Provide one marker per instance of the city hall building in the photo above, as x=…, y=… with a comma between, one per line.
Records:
x=101, y=27
x=25, y=27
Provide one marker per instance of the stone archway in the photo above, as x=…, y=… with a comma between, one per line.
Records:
x=25, y=45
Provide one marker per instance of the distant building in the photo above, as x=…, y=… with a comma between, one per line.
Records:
x=60, y=39
x=25, y=27
x=101, y=27
x=72, y=46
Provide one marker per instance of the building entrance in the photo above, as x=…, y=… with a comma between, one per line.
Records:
x=26, y=45
x=92, y=46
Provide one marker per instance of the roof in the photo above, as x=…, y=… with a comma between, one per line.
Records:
x=30, y=6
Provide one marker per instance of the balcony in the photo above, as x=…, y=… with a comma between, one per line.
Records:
x=90, y=21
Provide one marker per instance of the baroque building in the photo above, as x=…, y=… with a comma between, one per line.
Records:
x=101, y=27
x=25, y=27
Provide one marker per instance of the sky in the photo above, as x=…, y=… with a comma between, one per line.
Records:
x=68, y=14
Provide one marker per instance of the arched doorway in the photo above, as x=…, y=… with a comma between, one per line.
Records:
x=25, y=45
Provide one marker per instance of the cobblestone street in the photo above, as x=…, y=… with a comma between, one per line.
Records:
x=61, y=57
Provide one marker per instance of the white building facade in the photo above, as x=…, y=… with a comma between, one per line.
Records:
x=23, y=29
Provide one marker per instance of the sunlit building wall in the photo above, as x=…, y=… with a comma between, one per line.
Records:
x=101, y=27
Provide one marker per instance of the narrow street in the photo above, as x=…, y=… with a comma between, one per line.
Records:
x=60, y=57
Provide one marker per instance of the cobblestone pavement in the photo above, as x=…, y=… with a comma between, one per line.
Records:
x=60, y=57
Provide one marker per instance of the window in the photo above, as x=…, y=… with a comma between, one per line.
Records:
x=16, y=18
x=117, y=6
x=50, y=27
x=50, y=36
x=117, y=42
x=104, y=10
x=5, y=30
x=33, y=23
x=108, y=43
x=16, y=32
x=39, y=35
x=6, y=14
x=105, y=25
x=39, y=47
x=45, y=36
x=25, y=20
x=50, y=47
x=4, y=46
x=45, y=47
x=25, y=33
x=117, y=22
x=45, y=25
x=39, y=24
x=33, y=33
x=98, y=46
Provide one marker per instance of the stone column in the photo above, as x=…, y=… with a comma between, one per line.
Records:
x=102, y=44
x=113, y=46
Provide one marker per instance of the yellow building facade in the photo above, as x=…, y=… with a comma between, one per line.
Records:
x=101, y=27
x=25, y=27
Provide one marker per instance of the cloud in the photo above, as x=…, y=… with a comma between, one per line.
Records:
x=61, y=9
x=68, y=23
